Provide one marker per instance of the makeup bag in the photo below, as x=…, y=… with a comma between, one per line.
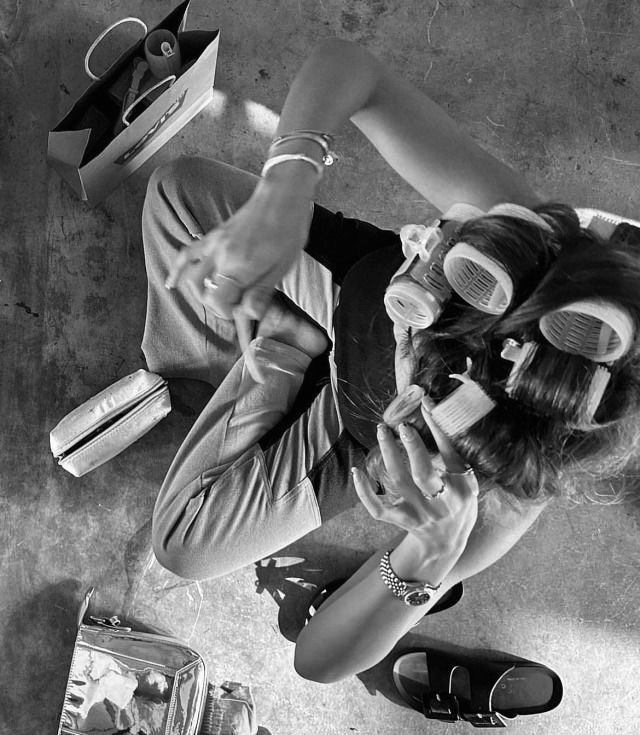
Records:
x=127, y=682
x=112, y=420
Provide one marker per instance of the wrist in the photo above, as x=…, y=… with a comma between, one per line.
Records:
x=292, y=178
x=290, y=181
x=302, y=176
x=415, y=559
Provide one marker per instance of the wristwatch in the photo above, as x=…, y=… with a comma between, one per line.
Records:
x=411, y=593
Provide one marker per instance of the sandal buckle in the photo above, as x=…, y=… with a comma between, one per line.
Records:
x=484, y=719
x=443, y=707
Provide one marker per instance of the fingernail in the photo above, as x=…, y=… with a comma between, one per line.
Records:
x=354, y=472
x=428, y=404
x=405, y=431
x=382, y=430
x=169, y=284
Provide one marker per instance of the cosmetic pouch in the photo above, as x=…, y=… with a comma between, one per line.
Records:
x=126, y=682
x=103, y=426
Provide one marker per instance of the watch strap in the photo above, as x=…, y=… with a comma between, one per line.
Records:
x=405, y=591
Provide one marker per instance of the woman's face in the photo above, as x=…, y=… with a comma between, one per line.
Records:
x=404, y=361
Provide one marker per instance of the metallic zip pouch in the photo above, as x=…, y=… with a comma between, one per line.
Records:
x=109, y=422
x=123, y=682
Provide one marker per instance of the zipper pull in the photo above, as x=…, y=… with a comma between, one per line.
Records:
x=113, y=623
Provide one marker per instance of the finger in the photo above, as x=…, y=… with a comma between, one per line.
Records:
x=422, y=470
x=243, y=328
x=367, y=494
x=377, y=505
x=391, y=456
x=185, y=257
x=220, y=293
x=398, y=473
x=256, y=300
x=458, y=474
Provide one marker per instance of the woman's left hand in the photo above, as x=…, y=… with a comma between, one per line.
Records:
x=439, y=510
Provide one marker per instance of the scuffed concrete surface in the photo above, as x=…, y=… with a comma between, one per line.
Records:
x=551, y=88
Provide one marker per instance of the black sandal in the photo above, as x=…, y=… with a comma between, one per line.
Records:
x=449, y=599
x=486, y=693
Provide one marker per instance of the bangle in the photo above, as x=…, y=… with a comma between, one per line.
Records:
x=276, y=160
x=324, y=140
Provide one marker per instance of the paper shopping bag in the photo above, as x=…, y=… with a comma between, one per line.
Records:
x=99, y=142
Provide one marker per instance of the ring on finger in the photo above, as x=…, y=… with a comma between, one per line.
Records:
x=214, y=282
x=467, y=472
x=438, y=492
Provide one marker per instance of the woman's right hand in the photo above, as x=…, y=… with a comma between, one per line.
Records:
x=246, y=256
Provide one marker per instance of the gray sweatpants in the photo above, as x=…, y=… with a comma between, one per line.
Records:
x=225, y=501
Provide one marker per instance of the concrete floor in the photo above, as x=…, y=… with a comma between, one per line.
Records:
x=549, y=86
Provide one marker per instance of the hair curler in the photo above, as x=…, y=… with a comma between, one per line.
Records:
x=517, y=211
x=478, y=279
x=419, y=290
x=598, y=330
x=463, y=408
x=584, y=407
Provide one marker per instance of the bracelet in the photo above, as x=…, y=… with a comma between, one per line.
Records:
x=276, y=160
x=324, y=140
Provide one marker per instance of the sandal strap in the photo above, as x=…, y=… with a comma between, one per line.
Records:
x=485, y=719
x=447, y=708
x=447, y=702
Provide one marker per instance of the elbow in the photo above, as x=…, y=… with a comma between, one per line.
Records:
x=311, y=665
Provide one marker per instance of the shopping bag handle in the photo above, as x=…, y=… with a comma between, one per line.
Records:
x=125, y=115
x=104, y=33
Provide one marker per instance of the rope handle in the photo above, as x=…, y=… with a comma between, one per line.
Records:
x=125, y=115
x=104, y=33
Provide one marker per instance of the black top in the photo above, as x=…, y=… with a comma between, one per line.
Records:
x=364, y=344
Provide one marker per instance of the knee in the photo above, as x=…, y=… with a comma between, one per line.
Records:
x=165, y=181
x=179, y=559
x=184, y=551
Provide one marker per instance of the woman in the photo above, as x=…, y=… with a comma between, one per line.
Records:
x=262, y=467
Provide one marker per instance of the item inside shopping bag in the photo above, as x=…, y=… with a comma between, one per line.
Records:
x=108, y=697
x=104, y=107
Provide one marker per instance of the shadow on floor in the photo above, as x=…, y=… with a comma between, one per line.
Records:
x=37, y=647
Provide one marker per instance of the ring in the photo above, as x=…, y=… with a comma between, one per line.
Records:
x=212, y=284
x=468, y=472
x=433, y=496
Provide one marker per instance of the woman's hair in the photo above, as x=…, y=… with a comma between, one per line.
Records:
x=539, y=437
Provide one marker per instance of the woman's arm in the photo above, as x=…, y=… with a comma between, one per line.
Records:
x=447, y=538
x=341, y=81
x=361, y=622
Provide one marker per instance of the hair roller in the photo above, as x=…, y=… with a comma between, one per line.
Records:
x=419, y=290
x=553, y=383
x=519, y=212
x=562, y=219
x=598, y=330
x=478, y=279
x=464, y=407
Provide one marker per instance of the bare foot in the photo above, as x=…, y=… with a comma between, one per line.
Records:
x=284, y=322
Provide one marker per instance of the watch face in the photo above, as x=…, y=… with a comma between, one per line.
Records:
x=417, y=597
